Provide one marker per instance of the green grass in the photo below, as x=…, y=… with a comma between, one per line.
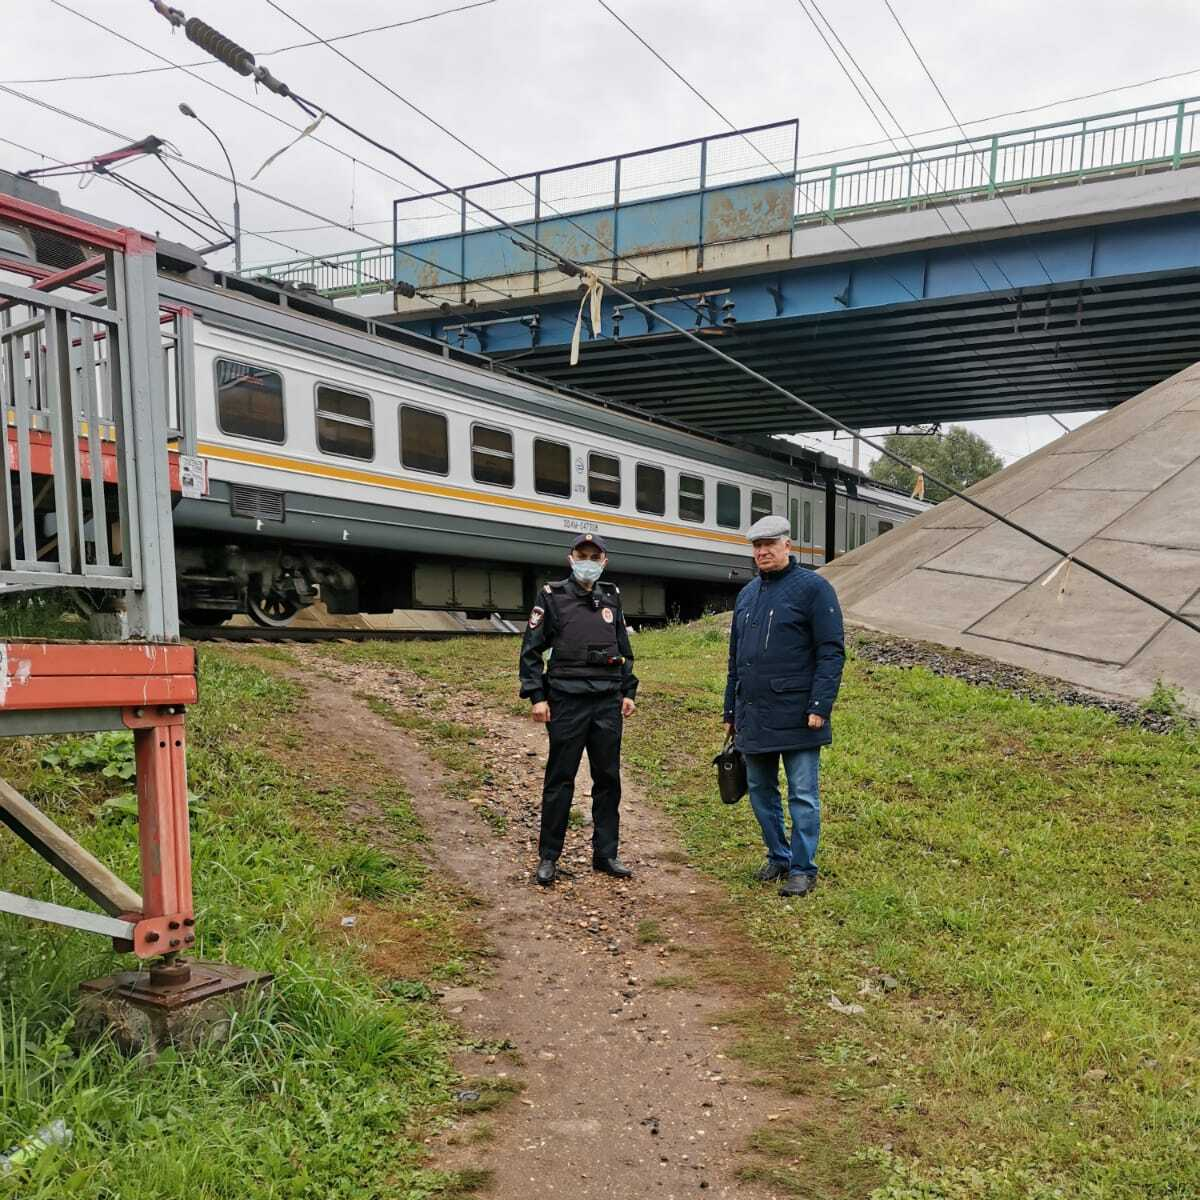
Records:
x=44, y=613
x=1027, y=872
x=331, y=1082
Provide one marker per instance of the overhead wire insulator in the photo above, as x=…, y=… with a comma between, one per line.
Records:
x=223, y=49
x=227, y=51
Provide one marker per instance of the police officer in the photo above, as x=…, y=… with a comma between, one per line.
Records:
x=582, y=697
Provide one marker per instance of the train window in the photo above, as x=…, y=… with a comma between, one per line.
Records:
x=729, y=505
x=851, y=530
x=344, y=423
x=604, y=479
x=795, y=521
x=760, y=506
x=424, y=442
x=691, y=498
x=551, y=468
x=806, y=534
x=651, y=488
x=885, y=527
x=491, y=455
x=862, y=530
x=249, y=401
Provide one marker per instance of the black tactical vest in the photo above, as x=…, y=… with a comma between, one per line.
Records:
x=585, y=633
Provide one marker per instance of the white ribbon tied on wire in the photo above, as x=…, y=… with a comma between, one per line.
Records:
x=591, y=299
x=305, y=132
x=1065, y=568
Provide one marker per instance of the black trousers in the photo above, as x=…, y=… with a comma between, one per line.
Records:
x=583, y=722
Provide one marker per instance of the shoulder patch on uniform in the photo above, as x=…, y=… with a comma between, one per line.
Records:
x=535, y=617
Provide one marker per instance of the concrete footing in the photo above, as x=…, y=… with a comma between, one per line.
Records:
x=184, y=1004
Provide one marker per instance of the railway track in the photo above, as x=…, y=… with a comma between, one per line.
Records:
x=203, y=633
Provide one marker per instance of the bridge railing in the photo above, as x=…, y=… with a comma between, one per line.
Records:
x=637, y=203
x=347, y=273
x=1162, y=136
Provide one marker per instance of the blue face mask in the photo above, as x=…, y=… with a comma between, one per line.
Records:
x=586, y=570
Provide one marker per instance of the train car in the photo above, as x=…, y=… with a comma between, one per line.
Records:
x=344, y=462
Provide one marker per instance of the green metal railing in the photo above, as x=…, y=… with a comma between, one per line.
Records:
x=347, y=273
x=1160, y=136
x=1130, y=141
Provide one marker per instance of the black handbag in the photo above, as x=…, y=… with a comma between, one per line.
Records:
x=731, y=772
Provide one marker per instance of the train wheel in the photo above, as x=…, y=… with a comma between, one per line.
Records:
x=272, y=611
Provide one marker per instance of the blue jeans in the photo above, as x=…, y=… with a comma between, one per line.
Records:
x=762, y=774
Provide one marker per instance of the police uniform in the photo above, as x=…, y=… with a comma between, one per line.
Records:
x=590, y=672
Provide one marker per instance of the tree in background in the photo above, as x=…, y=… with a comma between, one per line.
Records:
x=959, y=457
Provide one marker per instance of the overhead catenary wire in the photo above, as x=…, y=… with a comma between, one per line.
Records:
x=984, y=359
x=416, y=108
x=931, y=175
x=230, y=95
x=250, y=188
x=979, y=158
x=209, y=62
x=708, y=347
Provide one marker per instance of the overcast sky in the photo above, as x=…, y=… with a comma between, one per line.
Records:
x=534, y=83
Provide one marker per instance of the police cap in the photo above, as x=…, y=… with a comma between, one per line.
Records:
x=768, y=528
x=590, y=539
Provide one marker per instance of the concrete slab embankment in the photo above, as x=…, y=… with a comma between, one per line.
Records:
x=1122, y=493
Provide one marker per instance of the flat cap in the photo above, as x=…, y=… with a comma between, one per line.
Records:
x=768, y=527
x=590, y=539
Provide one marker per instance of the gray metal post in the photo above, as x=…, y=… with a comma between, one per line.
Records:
x=153, y=607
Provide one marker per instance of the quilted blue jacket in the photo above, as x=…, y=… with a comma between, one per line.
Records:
x=786, y=651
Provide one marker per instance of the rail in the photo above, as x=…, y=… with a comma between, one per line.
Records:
x=438, y=228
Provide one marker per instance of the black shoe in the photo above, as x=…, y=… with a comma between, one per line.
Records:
x=547, y=870
x=770, y=870
x=798, y=885
x=612, y=866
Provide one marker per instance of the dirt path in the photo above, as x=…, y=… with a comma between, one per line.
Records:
x=627, y=1088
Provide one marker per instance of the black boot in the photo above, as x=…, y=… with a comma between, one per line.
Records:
x=798, y=885
x=547, y=871
x=612, y=866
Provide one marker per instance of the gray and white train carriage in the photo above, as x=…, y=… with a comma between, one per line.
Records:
x=344, y=463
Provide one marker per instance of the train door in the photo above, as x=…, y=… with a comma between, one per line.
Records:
x=806, y=516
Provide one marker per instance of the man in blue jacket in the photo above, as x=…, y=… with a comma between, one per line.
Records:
x=786, y=650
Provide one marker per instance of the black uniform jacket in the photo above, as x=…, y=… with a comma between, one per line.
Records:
x=587, y=638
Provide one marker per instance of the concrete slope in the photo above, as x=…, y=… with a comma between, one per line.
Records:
x=1122, y=492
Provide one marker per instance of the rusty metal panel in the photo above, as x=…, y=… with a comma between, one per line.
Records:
x=748, y=210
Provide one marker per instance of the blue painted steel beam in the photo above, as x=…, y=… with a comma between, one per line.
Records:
x=1000, y=266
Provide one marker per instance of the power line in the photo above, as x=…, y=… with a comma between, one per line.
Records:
x=214, y=174
x=590, y=233
x=682, y=79
x=208, y=62
x=854, y=83
x=979, y=157
x=225, y=92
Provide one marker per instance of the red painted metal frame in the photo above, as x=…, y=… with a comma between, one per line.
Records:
x=41, y=459
x=151, y=684
x=22, y=212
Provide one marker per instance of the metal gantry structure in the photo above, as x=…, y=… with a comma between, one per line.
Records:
x=91, y=458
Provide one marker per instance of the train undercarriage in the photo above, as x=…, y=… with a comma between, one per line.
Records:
x=272, y=584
